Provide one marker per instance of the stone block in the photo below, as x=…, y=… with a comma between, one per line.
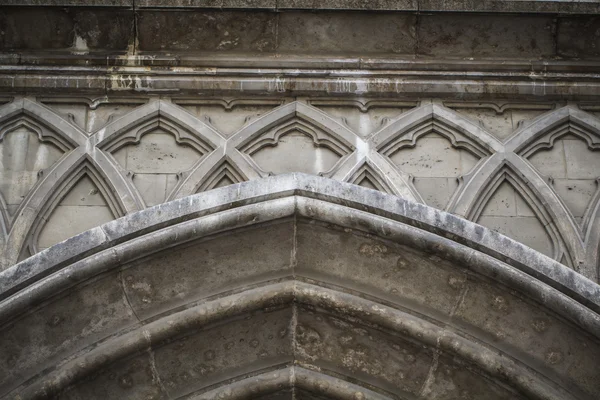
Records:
x=464, y=35
x=576, y=193
x=581, y=162
x=579, y=37
x=397, y=273
x=157, y=152
x=69, y=29
x=67, y=221
x=434, y=157
x=436, y=192
x=300, y=154
x=225, y=351
x=550, y=163
x=344, y=32
x=152, y=187
x=520, y=324
x=84, y=193
x=527, y=230
x=503, y=202
x=66, y=325
x=206, y=30
x=351, y=348
x=209, y=267
x=134, y=378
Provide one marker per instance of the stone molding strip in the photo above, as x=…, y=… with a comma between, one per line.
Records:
x=51, y=271
x=311, y=77
x=492, y=6
x=287, y=378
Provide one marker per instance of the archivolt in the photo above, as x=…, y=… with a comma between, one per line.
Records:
x=343, y=290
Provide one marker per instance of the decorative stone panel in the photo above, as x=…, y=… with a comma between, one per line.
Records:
x=534, y=180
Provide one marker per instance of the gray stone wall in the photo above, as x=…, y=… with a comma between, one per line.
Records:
x=526, y=169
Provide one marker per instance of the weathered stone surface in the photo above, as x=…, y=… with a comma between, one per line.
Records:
x=298, y=286
x=205, y=302
x=498, y=36
x=78, y=30
x=339, y=32
x=207, y=31
x=584, y=44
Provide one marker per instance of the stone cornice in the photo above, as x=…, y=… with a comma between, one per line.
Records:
x=296, y=76
x=488, y=6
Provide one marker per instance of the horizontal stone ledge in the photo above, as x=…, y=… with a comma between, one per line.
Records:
x=444, y=85
x=491, y=6
x=294, y=64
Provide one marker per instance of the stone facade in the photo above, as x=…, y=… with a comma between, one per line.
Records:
x=527, y=170
x=290, y=199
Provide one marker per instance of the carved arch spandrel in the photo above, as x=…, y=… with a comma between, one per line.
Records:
x=50, y=127
x=461, y=132
x=463, y=135
x=87, y=167
x=367, y=170
x=548, y=208
x=323, y=130
x=39, y=196
x=161, y=115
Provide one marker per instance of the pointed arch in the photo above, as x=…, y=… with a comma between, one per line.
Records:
x=225, y=169
x=51, y=190
x=544, y=130
x=410, y=126
x=323, y=130
x=548, y=208
x=368, y=170
x=48, y=125
x=463, y=135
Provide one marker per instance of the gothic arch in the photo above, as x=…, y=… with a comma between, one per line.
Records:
x=323, y=275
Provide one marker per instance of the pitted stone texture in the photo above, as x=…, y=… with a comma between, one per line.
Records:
x=347, y=33
x=364, y=287
x=383, y=269
x=61, y=327
x=207, y=31
x=228, y=350
x=134, y=378
x=585, y=44
x=351, y=348
x=497, y=36
x=201, y=269
x=78, y=30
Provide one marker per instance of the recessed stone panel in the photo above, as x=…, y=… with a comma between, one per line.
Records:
x=502, y=36
x=83, y=207
x=22, y=156
x=301, y=155
x=62, y=327
x=346, y=32
x=398, y=273
x=208, y=267
x=205, y=30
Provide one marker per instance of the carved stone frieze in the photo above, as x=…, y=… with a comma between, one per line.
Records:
x=157, y=149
